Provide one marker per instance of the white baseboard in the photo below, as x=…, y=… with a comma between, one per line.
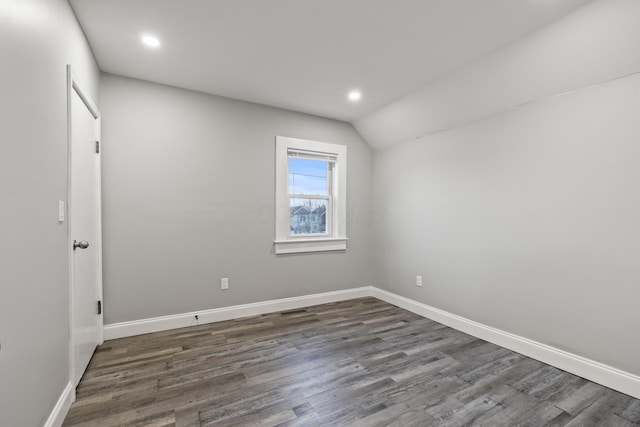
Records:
x=157, y=324
x=586, y=368
x=59, y=412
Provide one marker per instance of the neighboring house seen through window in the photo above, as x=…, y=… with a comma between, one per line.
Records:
x=310, y=196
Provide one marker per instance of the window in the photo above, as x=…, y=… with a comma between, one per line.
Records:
x=310, y=196
x=310, y=192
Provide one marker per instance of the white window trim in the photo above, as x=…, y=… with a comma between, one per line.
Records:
x=337, y=239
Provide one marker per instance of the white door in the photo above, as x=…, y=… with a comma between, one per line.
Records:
x=84, y=229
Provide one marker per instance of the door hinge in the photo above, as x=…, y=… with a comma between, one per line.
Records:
x=99, y=307
x=97, y=147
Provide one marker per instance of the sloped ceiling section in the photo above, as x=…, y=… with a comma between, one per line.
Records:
x=594, y=44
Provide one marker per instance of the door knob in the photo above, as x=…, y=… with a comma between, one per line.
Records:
x=83, y=244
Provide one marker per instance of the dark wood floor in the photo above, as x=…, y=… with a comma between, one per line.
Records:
x=356, y=363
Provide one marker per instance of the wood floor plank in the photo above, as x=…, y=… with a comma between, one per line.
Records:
x=361, y=362
x=581, y=399
x=602, y=412
x=631, y=411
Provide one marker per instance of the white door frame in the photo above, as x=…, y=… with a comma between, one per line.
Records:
x=73, y=84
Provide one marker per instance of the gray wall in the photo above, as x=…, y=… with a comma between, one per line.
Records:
x=37, y=40
x=188, y=196
x=527, y=221
x=521, y=210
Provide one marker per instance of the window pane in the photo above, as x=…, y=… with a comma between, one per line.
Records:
x=308, y=176
x=308, y=216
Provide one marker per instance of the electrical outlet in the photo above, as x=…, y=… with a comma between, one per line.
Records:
x=419, y=281
x=224, y=283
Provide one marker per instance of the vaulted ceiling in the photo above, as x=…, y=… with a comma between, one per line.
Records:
x=306, y=55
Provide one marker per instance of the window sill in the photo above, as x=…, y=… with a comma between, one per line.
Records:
x=294, y=246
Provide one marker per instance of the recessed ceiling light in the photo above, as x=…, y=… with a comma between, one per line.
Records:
x=150, y=41
x=354, y=96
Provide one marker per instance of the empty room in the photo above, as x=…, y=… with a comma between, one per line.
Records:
x=320, y=213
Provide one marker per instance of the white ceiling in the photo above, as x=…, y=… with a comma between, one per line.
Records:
x=305, y=55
